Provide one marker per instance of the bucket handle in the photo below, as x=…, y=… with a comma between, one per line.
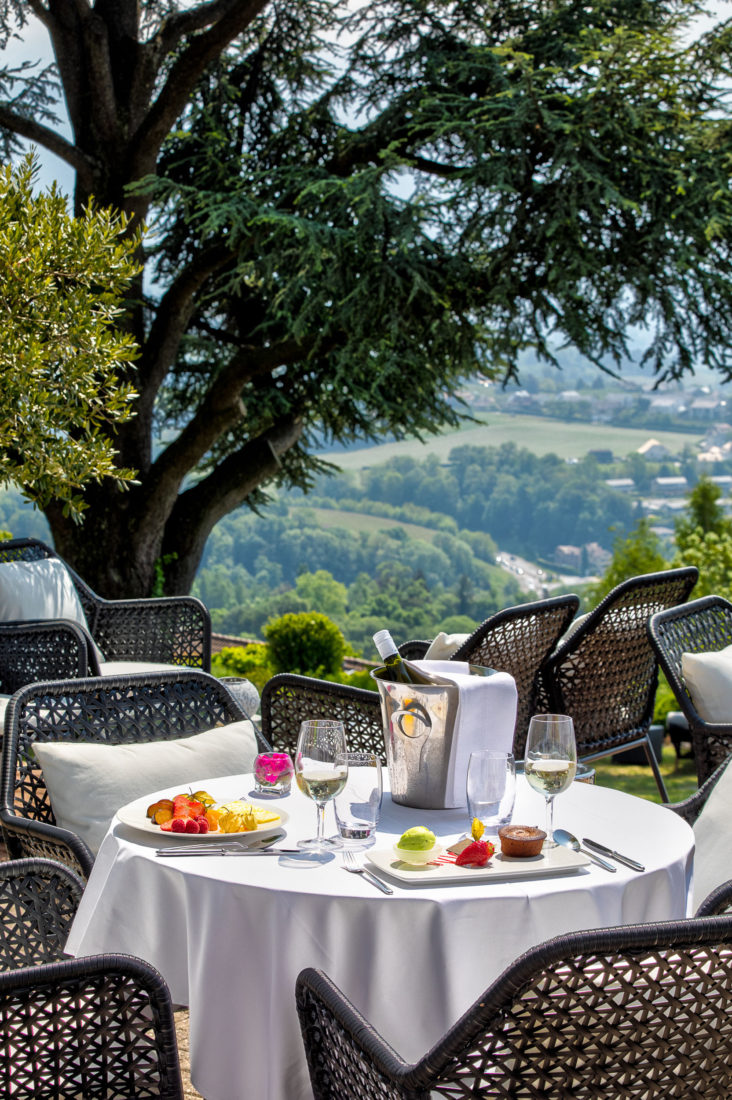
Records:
x=417, y=713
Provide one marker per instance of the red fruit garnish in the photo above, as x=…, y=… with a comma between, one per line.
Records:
x=192, y=826
x=177, y=825
x=476, y=854
x=203, y=825
x=167, y=826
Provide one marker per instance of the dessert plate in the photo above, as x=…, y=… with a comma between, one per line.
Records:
x=500, y=868
x=134, y=815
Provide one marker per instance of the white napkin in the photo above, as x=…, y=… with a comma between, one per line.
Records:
x=486, y=719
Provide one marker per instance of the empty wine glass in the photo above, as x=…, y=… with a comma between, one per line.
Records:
x=319, y=773
x=551, y=761
x=491, y=788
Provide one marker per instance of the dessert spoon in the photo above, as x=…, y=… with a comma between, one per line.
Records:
x=563, y=837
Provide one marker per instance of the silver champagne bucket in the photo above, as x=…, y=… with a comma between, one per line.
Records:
x=419, y=727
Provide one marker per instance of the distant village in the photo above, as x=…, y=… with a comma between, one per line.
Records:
x=655, y=477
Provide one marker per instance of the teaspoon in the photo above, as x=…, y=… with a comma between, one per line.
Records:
x=563, y=837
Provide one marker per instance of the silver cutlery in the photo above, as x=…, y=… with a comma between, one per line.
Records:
x=569, y=841
x=613, y=854
x=349, y=864
x=219, y=850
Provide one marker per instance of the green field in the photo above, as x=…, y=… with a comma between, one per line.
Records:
x=359, y=521
x=537, y=433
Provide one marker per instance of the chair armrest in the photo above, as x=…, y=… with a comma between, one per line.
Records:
x=414, y=650
x=25, y=837
x=691, y=807
x=169, y=629
x=347, y=1057
x=42, y=649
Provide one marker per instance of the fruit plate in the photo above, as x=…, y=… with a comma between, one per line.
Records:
x=500, y=868
x=134, y=815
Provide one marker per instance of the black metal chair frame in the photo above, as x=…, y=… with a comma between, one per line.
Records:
x=171, y=630
x=639, y=1011
x=111, y=709
x=698, y=626
x=605, y=674
x=38, y=902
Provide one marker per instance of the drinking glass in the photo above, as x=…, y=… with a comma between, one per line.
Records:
x=551, y=761
x=491, y=788
x=319, y=773
x=358, y=804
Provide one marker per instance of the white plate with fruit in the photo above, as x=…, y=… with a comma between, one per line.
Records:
x=195, y=815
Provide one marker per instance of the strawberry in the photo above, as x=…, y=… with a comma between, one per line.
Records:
x=167, y=826
x=476, y=854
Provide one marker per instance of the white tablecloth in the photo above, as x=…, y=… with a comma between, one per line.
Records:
x=230, y=935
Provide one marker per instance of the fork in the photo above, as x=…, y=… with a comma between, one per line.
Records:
x=349, y=864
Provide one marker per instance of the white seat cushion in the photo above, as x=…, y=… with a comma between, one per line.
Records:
x=708, y=679
x=40, y=590
x=88, y=782
x=124, y=668
x=712, y=831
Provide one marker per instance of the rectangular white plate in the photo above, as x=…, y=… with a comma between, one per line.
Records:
x=556, y=861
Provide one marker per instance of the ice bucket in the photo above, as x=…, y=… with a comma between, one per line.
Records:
x=419, y=728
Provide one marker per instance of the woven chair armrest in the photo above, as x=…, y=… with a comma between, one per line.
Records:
x=42, y=649
x=719, y=901
x=168, y=629
x=414, y=650
x=89, y=1027
x=27, y=838
x=691, y=807
x=346, y=1056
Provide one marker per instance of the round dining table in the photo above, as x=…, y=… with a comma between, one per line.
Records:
x=231, y=934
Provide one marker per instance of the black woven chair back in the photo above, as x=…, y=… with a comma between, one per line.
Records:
x=641, y=1012
x=174, y=629
x=38, y=902
x=92, y=1027
x=289, y=699
x=518, y=640
x=605, y=675
x=111, y=710
x=699, y=626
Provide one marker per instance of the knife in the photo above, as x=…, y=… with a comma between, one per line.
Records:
x=613, y=855
x=212, y=850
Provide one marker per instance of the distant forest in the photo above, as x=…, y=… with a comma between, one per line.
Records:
x=441, y=576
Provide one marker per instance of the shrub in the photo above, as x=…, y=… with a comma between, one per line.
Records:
x=308, y=643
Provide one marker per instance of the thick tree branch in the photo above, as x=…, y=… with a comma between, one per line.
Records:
x=234, y=17
x=172, y=316
x=36, y=131
x=198, y=509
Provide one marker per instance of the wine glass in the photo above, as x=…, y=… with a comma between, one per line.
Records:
x=319, y=773
x=551, y=761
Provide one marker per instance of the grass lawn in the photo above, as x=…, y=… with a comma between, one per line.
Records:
x=637, y=779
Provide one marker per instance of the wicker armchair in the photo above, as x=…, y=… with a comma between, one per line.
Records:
x=38, y=901
x=287, y=700
x=605, y=674
x=695, y=627
x=98, y=1027
x=172, y=630
x=517, y=640
x=115, y=709
x=637, y=1011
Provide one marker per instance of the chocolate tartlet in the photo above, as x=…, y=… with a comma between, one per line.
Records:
x=521, y=840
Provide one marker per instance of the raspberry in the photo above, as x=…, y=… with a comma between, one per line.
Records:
x=177, y=825
x=203, y=825
x=191, y=826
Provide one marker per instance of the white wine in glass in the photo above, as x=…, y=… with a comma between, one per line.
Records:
x=551, y=761
x=319, y=773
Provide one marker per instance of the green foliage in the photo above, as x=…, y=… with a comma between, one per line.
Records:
x=251, y=661
x=63, y=362
x=639, y=553
x=704, y=539
x=308, y=643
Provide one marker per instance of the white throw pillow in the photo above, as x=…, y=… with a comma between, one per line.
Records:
x=708, y=679
x=443, y=646
x=88, y=782
x=40, y=590
x=712, y=828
